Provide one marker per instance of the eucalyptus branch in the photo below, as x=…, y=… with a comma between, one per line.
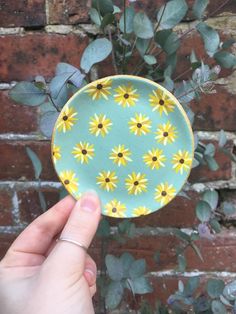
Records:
x=112, y=52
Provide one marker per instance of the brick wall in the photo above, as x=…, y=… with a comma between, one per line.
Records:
x=34, y=37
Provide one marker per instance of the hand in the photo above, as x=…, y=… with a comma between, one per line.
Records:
x=41, y=276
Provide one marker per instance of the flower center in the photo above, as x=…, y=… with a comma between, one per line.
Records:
x=163, y=193
x=126, y=96
x=66, y=182
x=114, y=210
x=65, y=118
x=100, y=125
x=107, y=180
x=161, y=102
x=120, y=155
x=136, y=183
x=165, y=134
x=84, y=151
x=53, y=153
x=99, y=86
x=139, y=125
x=154, y=158
x=181, y=161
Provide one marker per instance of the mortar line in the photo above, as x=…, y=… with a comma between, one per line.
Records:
x=189, y=274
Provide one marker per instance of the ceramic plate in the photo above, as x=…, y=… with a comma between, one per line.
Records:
x=129, y=139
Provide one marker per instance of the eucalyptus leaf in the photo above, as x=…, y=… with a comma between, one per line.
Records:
x=225, y=59
x=230, y=291
x=94, y=16
x=218, y=308
x=63, y=193
x=47, y=122
x=126, y=259
x=143, y=27
x=104, y=229
x=167, y=40
x=222, y=138
x=210, y=150
x=182, y=263
x=211, y=162
x=228, y=208
x=210, y=37
x=116, y=9
x=74, y=74
x=42, y=201
x=114, y=295
x=191, y=286
x=35, y=162
x=174, y=12
x=137, y=269
x=203, y=211
x=114, y=267
x=228, y=43
x=149, y=59
x=107, y=20
x=141, y=285
x=215, y=225
x=215, y=287
x=128, y=16
x=95, y=52
x=199, y=7
x=103, y=6
x=211, y=197
x=27, y=93
x=142, y=45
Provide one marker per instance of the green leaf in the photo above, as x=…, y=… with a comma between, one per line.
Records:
x=197, y=251
x=203, y=211
x=215, y=225
x=211, y=162
x=142, y=45
x=167, y=40
x=129, y=15
x=47, y=122
x=182, y=263
x=126, y=259
x=228, y=208
x=137, y=269
x=94, y=16
x=114, y=267
x=210, y=150
x=143, y=27
x=35, y=161
x=149, y=59
x=218, y=307
x=116, y=9
x=96, y=51
x=228, y=43
x=42, y=201
x=215, y=288
x=210, y=37
x=174, y=12
x=103, y=6
x=63, y=193
x=108, y=19
x=114, y=295
x=104, y=229
x=27, y=93
x=74, y=74
x=222, y=138
x=181, y=235
x=141, y=285
x=230, y=291
x=191, y=285
x=225, y=59
x=211, y=197
x=199, y=7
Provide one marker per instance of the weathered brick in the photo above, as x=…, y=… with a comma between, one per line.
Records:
x=16, y=118
x=29, y=205
x=16, y=165
x=22, y=13
x=5, y=208
x=6, y=240
x=24, y=57
x=68, y=12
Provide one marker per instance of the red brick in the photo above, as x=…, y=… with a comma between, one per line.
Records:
x=24, y=57
x=6, y=240
x=203, y=174
x=17, y=118
x=16, y=165
x=5, y=208
x=22, y=13
x=68, y=12
x=29, y=204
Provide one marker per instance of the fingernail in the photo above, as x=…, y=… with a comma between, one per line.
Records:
x=89, y=201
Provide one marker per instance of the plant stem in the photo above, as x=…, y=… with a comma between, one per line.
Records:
x=181, y=74
x=112, y=52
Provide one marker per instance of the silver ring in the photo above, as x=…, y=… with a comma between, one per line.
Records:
x=74, y=242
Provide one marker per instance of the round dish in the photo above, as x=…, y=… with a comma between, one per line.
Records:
x=129, y=139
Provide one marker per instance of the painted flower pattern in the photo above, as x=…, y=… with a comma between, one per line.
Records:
x=115, y=209
x=164, y=193
x=140, y=124
x=126, y=95
x=83, y=151
x=68, y=177
x=107, y=180
x=181, y=161
x=100, y=125
x=154, y=158
x=100, y=89
x=67, y=119
x=166, y=133
x=56, y=153
x=161, y=102
x=136, y=183
x=140, y=211
x=120, y=155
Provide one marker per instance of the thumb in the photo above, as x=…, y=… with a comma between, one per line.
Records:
x=68, y=258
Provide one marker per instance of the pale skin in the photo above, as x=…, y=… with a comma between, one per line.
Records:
x=41, y=276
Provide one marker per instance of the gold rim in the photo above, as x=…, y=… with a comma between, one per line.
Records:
x=140, y=79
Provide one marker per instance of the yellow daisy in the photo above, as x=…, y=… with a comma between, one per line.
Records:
x=83, y=151
x=181, y=161
x=126, y=95
x=136, y=183
x=56, y=153
x=164, y=193
x=115, y=209
x=161, y=102
x=140, y=211
x=100, y=89
x=140, y=125
x=120, y=155
x=99, y=124
x=70, y=181
x=166, y=133
x=67, y=119
x=107, y=180
x=154, y=158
